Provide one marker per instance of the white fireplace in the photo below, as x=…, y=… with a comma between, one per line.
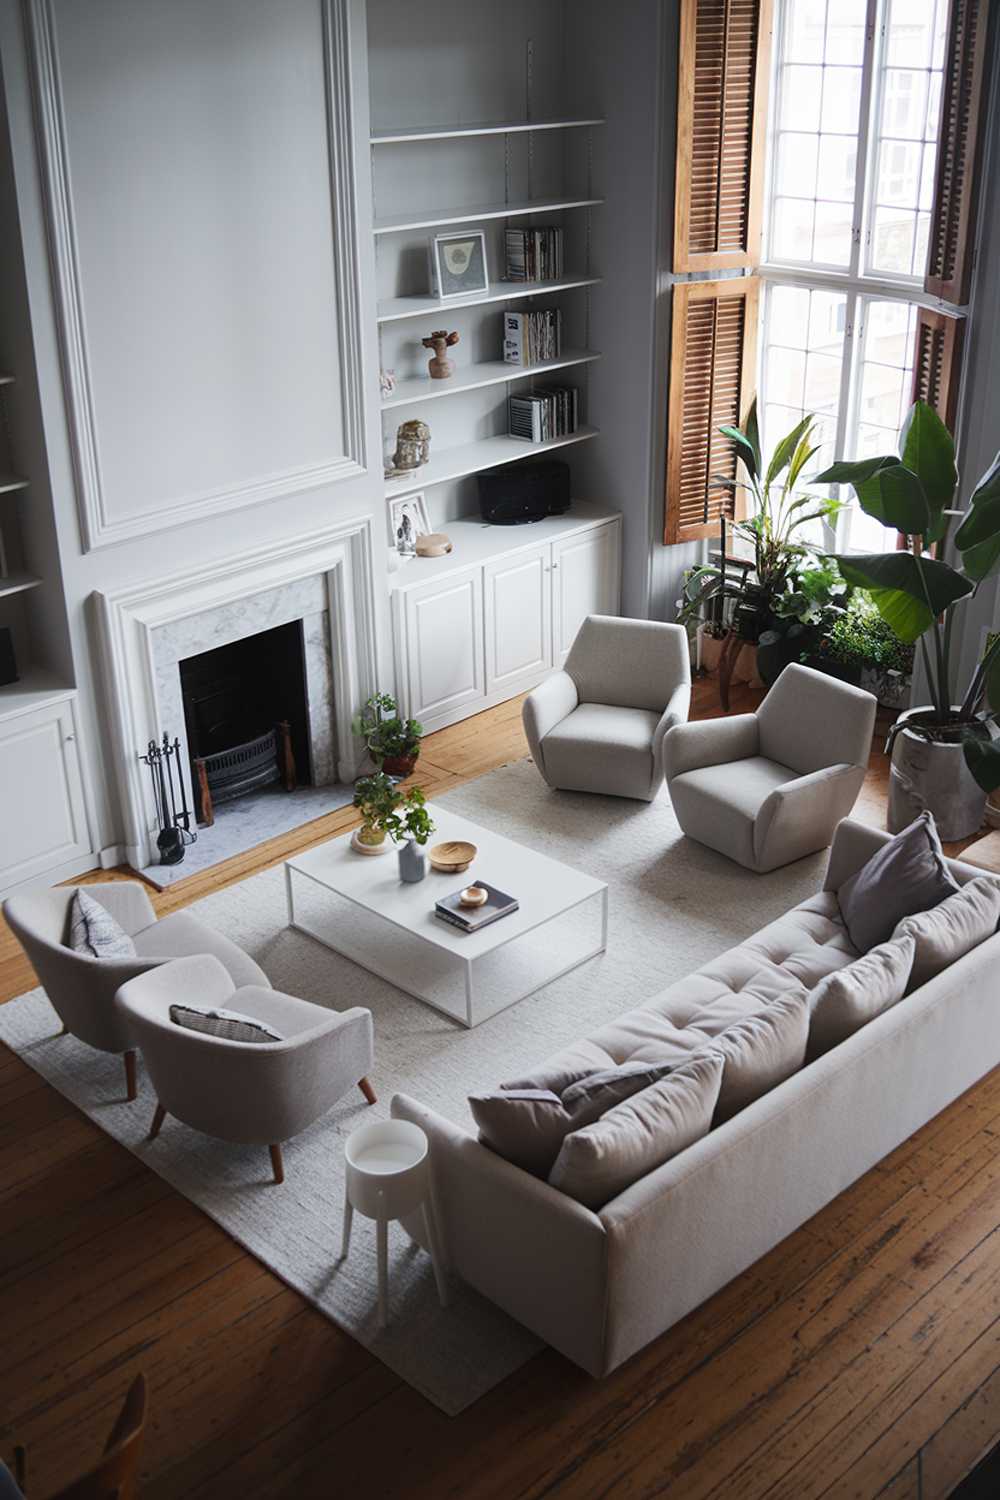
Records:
x=324, y=580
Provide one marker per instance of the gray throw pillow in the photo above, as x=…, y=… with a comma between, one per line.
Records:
x=93, y=930
x=229, y=1025
x=907, y=875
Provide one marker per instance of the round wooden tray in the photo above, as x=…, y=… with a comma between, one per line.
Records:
x=453, y=856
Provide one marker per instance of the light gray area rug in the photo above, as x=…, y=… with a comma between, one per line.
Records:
x=673, y=906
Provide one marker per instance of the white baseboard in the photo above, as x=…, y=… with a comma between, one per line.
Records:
x=113, y=855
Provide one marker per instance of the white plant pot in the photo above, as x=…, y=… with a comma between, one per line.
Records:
x=928, y=777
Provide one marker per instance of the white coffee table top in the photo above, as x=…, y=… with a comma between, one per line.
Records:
x=543, y=886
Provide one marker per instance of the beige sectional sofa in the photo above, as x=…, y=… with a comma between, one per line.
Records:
x=600, y=1285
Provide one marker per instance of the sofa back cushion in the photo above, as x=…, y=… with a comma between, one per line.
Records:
x=850, y=998
x=908, y=874
x=597, y=1163
x=761, y=1051
x=952, y=929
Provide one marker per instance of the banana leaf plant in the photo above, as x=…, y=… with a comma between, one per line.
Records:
x=918, y=595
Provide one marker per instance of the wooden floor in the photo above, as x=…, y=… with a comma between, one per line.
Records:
x=860, y=1358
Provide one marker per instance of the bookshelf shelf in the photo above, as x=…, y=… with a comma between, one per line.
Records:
x=17, y=583
x=486, y=453
x=475, y=377
x=12, y=482
x=392, y=309
x=461, y=132
x=472, y=214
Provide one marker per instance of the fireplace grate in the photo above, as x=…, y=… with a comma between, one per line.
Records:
x=245, y=768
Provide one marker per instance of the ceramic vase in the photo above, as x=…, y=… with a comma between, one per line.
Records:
x=412, y=862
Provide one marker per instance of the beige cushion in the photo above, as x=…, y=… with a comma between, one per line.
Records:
x=852, y=997
x=597, y=1163
x=94, y=931
x=761, y=1051
x=953, y=928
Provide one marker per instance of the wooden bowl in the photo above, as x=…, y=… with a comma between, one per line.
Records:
x=453, y=856
x=473, y=896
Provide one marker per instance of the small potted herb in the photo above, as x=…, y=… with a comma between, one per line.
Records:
x=411, y=828
x=377, y=799
x=393, y=743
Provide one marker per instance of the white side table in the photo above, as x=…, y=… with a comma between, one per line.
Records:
x=387, y=1178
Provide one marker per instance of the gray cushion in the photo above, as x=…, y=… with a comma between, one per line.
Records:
x=850, y=998
x=908, y=874
x=602, y=748
x=229, y=1025
x=94, y=930
x=761, y=1051
x=953, y=928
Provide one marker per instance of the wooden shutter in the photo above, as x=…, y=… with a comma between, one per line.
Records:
x=953, y=212
x=713, y=358
x=937, y=362
x=722, y=85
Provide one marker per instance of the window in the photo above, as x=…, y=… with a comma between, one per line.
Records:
x=855, y=116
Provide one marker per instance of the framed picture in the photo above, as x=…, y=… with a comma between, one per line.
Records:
x=458, y=264
x=408, y=518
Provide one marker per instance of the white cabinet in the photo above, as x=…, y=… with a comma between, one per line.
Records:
x=586, y=574
x=443, y=646
x=42, y=810
x=516, y=596
x=494, y=618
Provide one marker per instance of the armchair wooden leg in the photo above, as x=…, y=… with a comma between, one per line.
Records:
x=277, y=1165
x=132, y=1091
x=367, y=1090
x=159, y=1116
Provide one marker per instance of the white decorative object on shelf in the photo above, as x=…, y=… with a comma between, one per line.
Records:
x=387, y=382
x=408, y=518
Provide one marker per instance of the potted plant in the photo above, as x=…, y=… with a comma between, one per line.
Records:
x=943, y=753
x=779, y=555
x=393, y=743
x=377, y=799
x=861, y=648
x=411, y=827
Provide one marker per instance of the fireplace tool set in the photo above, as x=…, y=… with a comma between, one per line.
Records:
x=164, y=762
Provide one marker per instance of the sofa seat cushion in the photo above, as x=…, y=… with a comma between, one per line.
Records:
x=181, y=936
x=719, y=804
x=580, y=749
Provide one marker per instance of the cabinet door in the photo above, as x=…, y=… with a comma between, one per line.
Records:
x=443, y=645
x=42, y=810
x=517, y=596
x=586, y=580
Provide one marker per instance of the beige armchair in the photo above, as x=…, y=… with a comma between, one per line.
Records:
x=81, y=988
x=260, y=1093
x=600, y=724
x=771, y=787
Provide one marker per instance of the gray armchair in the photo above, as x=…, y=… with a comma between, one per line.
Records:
x=600, y=724
x=771, y=787
x=81, y=988
x=260, y=1093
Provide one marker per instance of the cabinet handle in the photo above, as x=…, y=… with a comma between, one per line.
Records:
x=555, y=567
x=68, y=738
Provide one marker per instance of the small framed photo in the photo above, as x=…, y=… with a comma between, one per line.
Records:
x=458, y=264
x=408, y=518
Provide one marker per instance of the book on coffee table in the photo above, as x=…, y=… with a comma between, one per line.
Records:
x=472, y=918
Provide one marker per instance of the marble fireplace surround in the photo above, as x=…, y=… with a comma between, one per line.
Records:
x=325, y=579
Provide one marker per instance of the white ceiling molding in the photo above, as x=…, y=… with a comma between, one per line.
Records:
x=99, y=526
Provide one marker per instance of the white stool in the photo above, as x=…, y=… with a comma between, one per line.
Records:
x=387, y=1178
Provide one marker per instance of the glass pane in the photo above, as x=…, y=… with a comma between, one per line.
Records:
x=910, y=33
x=801, y=89
x=822, y=393
x=845, y=30
x=833, y=236
x=803, y=360
x=920, y=245
x=837, y=160
x=792, y=227
x=804, y=28
x=893, y=241
x=927, y=179
x=788, y=315
x=785, y=375
x=827, y=315
x=899, y=172
x=841, y=101
x=904, y=104
x=796, y=171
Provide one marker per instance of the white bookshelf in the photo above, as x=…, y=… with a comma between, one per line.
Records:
x=17, y=583
x=391, y=309
x=485, y=453
x=476, y=377
x=464, y=132
x=9, y=482
x=478, y=213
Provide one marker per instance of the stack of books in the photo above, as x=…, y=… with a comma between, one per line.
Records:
x=547, y=412
x=471, y=918
x=534, y=254
x=529, y=337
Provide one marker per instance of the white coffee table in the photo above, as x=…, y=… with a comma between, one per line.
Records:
x=358, y=906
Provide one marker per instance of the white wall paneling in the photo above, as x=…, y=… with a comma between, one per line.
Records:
x=45, y=831
x=199, y=175
x=518, y=611
x=129, y=618
x=441, y=646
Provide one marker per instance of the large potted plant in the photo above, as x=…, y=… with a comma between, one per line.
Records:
x=943, y=753
x=393, y=743
x=778, y=509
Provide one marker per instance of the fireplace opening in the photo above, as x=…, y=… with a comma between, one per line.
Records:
x=245, y=712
